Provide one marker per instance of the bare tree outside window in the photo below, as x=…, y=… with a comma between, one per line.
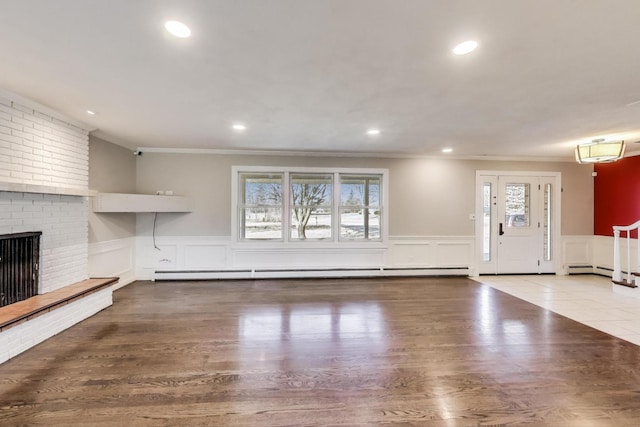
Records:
x=311, y=198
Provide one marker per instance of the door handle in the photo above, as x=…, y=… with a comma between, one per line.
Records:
x=500, y=230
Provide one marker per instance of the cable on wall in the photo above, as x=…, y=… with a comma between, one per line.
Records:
x=155, y=220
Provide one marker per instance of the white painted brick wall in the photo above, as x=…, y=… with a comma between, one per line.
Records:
x=38, y=149
x=64, y=242
x=14, y=341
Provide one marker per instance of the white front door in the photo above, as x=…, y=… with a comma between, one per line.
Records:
x=516, y=219
x=518, y=224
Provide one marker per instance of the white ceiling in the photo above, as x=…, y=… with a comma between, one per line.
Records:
x=315, y=75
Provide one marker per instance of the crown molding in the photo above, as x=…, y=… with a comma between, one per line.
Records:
x=285, y=153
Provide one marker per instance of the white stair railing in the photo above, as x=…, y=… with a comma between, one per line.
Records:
x=617, y=261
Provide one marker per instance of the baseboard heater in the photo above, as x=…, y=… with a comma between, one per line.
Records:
x=604, y=271
x=590, y=269
x=265, y=273
x=580, y=269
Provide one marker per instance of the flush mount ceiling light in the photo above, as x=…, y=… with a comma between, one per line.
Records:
x=178, y=29
x=91, y=112
x=447, y=150
x=373, y=132
x=599, y=151
x=465, y=47
x=239, y=127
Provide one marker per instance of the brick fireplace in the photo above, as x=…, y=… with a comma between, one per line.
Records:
x=44, y=174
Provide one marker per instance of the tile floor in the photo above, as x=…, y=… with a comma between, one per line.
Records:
x=588, y=299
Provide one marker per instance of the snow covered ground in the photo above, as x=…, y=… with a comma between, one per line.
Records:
x=318, y=227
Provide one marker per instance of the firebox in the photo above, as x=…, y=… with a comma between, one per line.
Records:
x=19, y=263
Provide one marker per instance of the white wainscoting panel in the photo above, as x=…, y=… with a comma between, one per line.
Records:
x=577, y=253
x=454, y=254
x=411, y=254
x=205, y=256
x=113, y=258
x=431, y=252
x=301, y=258
x=214, y=256
x=603, y=253
x=217, y=257
x=180, y=253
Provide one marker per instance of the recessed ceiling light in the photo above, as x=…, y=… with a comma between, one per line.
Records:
x=447, y=150
x=91, y=112
x=373, y=132
x=239, y=127
x=465, y=47
x=177, y=29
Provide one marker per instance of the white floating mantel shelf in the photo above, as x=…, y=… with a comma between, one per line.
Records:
x=139, y=203
x=17, y=187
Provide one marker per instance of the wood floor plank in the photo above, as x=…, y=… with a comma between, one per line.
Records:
x=357, y=352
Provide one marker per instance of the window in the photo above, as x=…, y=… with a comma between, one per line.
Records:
x=260, y=206
x=548, y=200
x=310, y=204
x=359, y=207
x=486, y=221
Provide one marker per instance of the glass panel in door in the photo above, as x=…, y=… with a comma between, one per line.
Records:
x=517, y=207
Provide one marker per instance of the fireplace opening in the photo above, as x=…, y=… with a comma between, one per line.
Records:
x=19, y=263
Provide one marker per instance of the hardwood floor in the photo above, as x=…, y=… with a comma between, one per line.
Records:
x=401, y=352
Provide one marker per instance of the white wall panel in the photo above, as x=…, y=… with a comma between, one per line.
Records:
x=292, y=258
x=454, y=254
x=603, y=252
x=577, y=251
x=114, y=258
x=431, y=251
x=203, y=256
x=411, y=254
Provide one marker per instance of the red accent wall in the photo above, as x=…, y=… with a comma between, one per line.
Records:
x=616, y=195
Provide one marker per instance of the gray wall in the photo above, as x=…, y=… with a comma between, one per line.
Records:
x=427, y=197
x=112, y=169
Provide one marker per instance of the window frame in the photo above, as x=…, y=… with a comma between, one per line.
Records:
x=236, y=232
